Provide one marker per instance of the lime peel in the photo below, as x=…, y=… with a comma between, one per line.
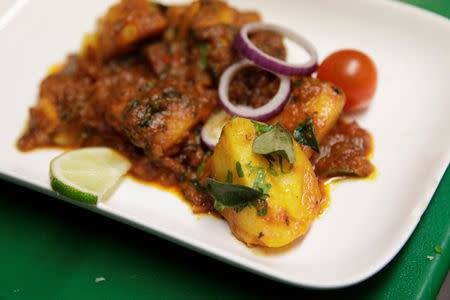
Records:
x=88, y=174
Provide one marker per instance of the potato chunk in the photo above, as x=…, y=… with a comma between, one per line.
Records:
x=314, y=98
x=124, y=25
x=294, y=196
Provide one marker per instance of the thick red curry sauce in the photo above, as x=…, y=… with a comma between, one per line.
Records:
x=145, y=83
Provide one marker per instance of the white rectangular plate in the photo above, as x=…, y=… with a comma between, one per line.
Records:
x=368, y=220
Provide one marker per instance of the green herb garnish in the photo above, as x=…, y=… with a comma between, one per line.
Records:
x=229, y=176
x=299, y=83
x=304, y=134
x=134, y=104
x=145, y=122
x=261, y=128
x=234, y=196
x=203, y=47
x=200, y=167
x=252, y=169
x=277, y=140
x=239, y=170
x=259, y=183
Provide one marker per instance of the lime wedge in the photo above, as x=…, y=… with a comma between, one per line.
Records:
x=87, y=174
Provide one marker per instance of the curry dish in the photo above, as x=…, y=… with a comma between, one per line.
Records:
x=145, y=82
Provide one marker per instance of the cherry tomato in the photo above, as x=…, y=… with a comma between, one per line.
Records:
x=355, y=73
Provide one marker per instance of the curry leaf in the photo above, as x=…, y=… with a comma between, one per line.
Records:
x=304, y=134
x=277, y=140
x=230, y=195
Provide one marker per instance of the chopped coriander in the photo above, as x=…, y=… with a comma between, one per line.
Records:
x=145, y=122
x=135, y=103
x=261, y=128
x=229, y=176
x=259, y=183
x=304, y=134
x=299, y=83
x=203, y=47
x=252, y=169
x=239, y=170
x=200, y=167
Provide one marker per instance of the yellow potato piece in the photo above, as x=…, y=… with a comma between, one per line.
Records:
x=314, y=98
x=294, y=197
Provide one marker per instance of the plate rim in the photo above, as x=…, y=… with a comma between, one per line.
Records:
x=20, y=181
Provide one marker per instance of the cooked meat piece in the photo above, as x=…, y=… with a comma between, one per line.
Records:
x=123, y=27
x=344, y=152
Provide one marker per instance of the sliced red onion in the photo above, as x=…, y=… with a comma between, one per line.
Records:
x=270, y=63
x=213, y=128
x=262, y=113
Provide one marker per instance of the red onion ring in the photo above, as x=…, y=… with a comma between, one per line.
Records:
x=270, y=63
x=262, y=113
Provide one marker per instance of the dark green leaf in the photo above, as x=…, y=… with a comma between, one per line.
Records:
x=231, y=195
x=304, y=134
x=299, y=83
x=278, y=141
x=239, y=170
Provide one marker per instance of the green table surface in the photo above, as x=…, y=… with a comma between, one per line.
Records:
x=50, y=249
